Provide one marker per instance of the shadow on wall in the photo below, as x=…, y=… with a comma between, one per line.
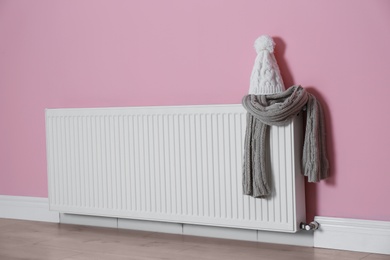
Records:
x=311, y=188
x=288, y=79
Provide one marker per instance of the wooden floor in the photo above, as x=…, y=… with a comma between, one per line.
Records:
x=42, y=241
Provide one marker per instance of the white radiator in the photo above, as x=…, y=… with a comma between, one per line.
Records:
x=176, y=164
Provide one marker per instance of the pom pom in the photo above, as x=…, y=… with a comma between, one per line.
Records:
x=264, y=42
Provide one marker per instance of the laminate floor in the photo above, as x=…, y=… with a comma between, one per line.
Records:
x=47, y=241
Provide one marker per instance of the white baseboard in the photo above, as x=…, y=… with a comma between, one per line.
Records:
x=353, y=235
x=27, y=208
x=300, y=238
x=334, y=233
x=94, y=221
x=220, y=232
x=151, y=226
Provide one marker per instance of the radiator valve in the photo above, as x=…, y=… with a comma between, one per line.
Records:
x=311, y=226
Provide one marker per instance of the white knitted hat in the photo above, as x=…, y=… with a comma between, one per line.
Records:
x=265, y=78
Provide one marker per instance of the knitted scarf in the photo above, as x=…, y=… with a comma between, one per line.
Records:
x=279, y=109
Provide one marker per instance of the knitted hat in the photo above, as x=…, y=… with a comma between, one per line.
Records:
x=265, y=78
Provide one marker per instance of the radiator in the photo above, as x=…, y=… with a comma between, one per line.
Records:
x=177, y=164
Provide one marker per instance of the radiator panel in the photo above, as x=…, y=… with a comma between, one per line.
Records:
x=176, y=164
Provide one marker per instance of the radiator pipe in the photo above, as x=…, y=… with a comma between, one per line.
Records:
x=314, y=225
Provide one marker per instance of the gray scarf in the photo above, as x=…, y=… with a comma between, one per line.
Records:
x=279, y=109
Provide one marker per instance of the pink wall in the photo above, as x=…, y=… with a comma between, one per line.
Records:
x=175, y=52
